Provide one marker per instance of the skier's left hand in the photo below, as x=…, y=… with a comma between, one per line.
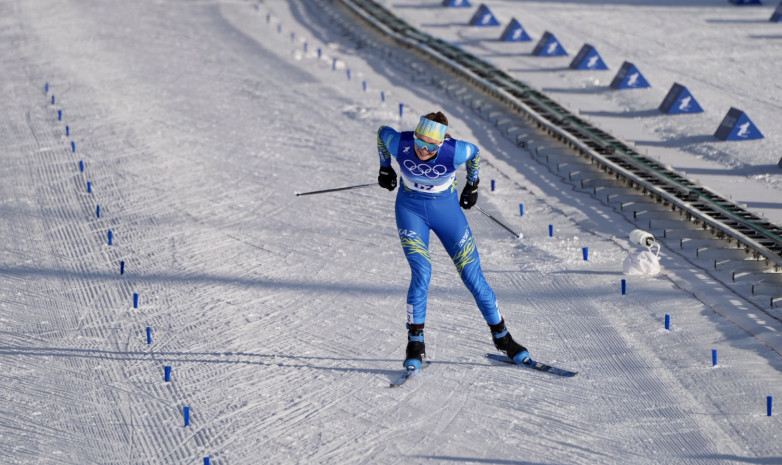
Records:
x=469, y=195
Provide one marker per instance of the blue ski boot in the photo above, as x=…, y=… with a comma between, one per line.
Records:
x=505, y=343
x=415, y=352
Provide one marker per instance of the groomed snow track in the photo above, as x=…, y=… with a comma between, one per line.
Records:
x=713, y=212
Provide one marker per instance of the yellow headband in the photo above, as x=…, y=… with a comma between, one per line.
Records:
x=429, y=128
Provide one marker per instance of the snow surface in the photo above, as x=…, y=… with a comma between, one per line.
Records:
x=282, y=317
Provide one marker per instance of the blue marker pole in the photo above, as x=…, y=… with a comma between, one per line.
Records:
x=73, y=147
x=97, y=211
x=348, y=74
x=624, y=286
x=52, y=99
x=769, y=405
x=364, y=85
x=186, y=412
x=401, y=109
x=59, y=115
x=585, y=252
x=521, y=209
x=149, y=335
x=111, y=237
x=551, y=230
x=81, y=165
x=89, y=187
x=493, y=184
x=122, y=267
x=67, y=131
x=135, y=300
x=206, y=461
x=382, y=96
x=167, y=374
x=714, y=357
x=668, y=322
x=47, y=87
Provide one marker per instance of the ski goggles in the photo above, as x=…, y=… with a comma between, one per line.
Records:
x=426, y=145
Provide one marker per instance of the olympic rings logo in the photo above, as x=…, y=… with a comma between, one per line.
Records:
x=429, y=171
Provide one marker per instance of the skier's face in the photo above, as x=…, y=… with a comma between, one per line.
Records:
x=426, y=148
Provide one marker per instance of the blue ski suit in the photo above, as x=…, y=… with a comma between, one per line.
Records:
x=427, y=200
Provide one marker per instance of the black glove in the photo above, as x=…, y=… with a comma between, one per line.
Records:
x=387, y=178
x=469, y=195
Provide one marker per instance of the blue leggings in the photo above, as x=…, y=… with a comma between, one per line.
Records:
x=418, y=213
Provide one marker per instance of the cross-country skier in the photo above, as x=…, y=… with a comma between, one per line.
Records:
x=427, y=200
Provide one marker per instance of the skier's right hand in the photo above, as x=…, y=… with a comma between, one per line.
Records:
x=387, y=178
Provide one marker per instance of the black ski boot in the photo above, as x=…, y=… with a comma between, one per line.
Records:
x=416, y=349
x=505, y=343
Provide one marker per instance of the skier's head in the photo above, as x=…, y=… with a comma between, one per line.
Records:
x=429, y=135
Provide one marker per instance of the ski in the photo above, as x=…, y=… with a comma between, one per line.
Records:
x=409, y=374
x=535, y=366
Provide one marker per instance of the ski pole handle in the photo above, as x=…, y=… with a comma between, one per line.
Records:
x=517, y=235
x=336, y=189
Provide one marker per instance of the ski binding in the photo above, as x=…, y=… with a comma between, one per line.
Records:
x=409, y=374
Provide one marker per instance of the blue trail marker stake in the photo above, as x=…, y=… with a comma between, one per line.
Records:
x=382, y=96
x=67, y=131
x=769, y=405
x=111, y=237
x=493, y=185
x=149, y=335
x=348, y=74
x=135, y=300
x=59, y=115
x=206, y=461
x=521, y=209
x=551, y=230
x=167, y=374
x=401, y=109
x=97, y=211
x=364, y=85
x=89, y=187
x=585, y=252
x=320, y=53
x=52, y=99
x=186, y=412
x=47, y=87
x=81, y=165
x=624, y=286
x=668, y=322
x=73, y=146
x=714, y=357
x=122, y=267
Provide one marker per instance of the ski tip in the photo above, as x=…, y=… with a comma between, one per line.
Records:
x=297, y=194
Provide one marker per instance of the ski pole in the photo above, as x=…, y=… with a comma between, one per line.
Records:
x=517, y=235
x=298, y=194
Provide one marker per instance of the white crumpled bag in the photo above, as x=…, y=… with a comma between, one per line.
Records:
x=643, y=262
